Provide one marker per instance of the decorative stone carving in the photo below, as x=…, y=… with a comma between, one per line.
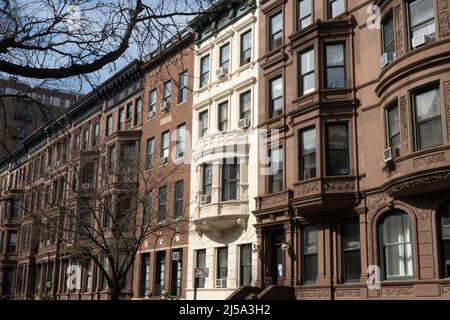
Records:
x=419, y=182
x=398, y=24
x=447, y=104
x=313, y=293
x=339, y=186
x=274, y=201
x=443, y=16
x=306, y=189
x=404, y=125
x=429, y=159
x=376, y=201
x=445, y=290
x=397, y=291
x=348, y=293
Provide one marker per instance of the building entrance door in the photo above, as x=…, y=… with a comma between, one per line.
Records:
x=274, y=258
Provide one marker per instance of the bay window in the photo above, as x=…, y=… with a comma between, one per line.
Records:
x=393, y=127
x=421, y=18
x=207, y=182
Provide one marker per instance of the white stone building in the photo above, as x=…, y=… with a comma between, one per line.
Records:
x=224, y=169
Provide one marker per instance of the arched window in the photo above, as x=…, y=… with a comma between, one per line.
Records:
x=445, y=239
x=396, y=246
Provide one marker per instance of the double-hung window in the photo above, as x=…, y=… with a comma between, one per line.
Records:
x=387, y=34
x=222, y=267
x=204, y=70
x=309, y=254
x=152, y=104
x=224, y=56
x=338, y=158
x=421, y=18
x=246, y=48
x=276, y=97
x=428, y=122
x=150, y=153
x=207, y=182
x=304, y=8
x=336, y=8
x=393, y=127
x=203, y=123
x=164, y=147
x=245, y=105
x=308, y=153
x=275, y=31
x=230, y=180
x=178, y=200
x=183, y=87
x=276, y=170
x=307, y=77
x=335, y=66
x=162, y=204
x=223, y=116
x=181, y=140
x=351, y=250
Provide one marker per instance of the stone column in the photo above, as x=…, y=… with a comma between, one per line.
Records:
x=288, y=255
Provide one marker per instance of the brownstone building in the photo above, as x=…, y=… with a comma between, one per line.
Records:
x=21, y=116
x=161, y=267
x=363, y=112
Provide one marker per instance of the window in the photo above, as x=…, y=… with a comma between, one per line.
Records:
x=335, y=66
x=127, y=158
x=445, y=240
x=224, y=56
x=162, y=204
x=203, y=123
x=129, y=111
x=88, y=276
x=393, y=127
x=152, y=104
x=387, y=34
x=200, y=262
x=245, y=105
x=307, y=77
x=245, y=265
x=181, y=140
x=421, y=18
x=395, y=245
x=304, y=13
x=309, y=254
x=336, y=7
x=275, y=31
x=230, y=180
x=160, y=274
x=87, y=173
x=111, y=158
x=138, y=112
x=178, y=200
x=276, y=97
x=167, y=93
x=223, y=116
x=121, y=120
x=96, y=134
x=207, y=182
x=222, y=267
x=276, y=170
x=150, y=153
x=12, y=243
x=308, y=153
x=145, y=274
x=109, y=125
x=76, y=146
x=183, y=87
x=164, y=147
x=147, y=208
x=338, y=159
x=246, y=48
x=85, y=138
x=204, y=70
x=428, y=123
x=351, y=256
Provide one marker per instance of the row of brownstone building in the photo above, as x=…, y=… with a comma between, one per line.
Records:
x=357, y=94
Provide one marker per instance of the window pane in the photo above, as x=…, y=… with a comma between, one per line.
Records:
x=276, y=34
x=427, y=104
x=225, y=56
x=428, y=119
x=307, y=62
x=430, y=134
x=388, y=34
x=337, y=7
x=201, y=263
x=246, y=47
x=276, y=94
x=246, y=265
x=310, y=240
x=308, y=153
x=245, y=105
x=420, y=11
x=304, y=8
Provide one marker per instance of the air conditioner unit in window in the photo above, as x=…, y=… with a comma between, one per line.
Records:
x=205, y=198
x=221, y=283
x=176, y=256
x=244, y=123
x=390, y=154
x=165, y=106
x=386, y=59
x=221, y=72
x=151, y=114
x=418, y=41
x=163, y=160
